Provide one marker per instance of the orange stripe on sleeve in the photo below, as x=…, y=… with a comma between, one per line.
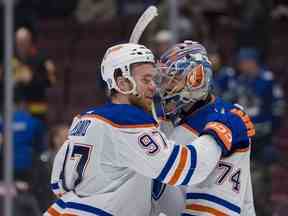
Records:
x=180, y=167
x=202, y=208
x=223, y=132
x=67, y=214
x=53, y=212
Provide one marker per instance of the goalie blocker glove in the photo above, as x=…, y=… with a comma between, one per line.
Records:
x=231, y=129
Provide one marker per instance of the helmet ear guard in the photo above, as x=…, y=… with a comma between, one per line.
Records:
x=119, y=77
x=133, y=90
x=122, y=57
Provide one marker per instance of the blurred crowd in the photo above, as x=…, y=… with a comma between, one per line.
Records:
x=245, y=72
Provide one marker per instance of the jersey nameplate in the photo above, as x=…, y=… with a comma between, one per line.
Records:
x=80, y=128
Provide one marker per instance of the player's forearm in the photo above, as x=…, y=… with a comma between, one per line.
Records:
x=190, y=164
x=208, y=155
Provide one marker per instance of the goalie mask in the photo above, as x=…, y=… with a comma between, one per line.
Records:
x=184, y=77
x=122, y=57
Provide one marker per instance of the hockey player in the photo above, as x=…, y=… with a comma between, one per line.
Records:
x=255, y=87
x=113, y=151
x=187, y=101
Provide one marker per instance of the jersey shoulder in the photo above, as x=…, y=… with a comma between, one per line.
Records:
x=244, y=129
x=237, y=115
x=121, y=115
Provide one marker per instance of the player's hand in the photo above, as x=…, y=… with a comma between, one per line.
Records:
x=232, y=130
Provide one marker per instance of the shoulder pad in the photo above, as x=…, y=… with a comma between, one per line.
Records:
x=121, y=115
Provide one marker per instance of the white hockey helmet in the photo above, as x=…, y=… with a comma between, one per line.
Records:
x=121, y=57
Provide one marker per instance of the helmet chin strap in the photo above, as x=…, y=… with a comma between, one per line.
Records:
x=154, y=113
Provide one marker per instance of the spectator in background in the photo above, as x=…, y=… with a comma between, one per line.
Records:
x=88, y=10
x=190, y=24
x=33, y=72
x=28, y=143
x=254, y=88
x=222, y=73
x=129, y=7
x=255, y=24
x=57, y=136
x=27, y=139
x=280, y=11
x=162, y=41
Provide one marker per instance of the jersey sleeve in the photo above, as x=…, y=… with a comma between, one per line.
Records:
x=151, y=154
x=208, y=155
x=56, y=178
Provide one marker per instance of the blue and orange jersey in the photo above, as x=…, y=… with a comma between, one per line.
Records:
x=111, y=155
x=223, y=190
